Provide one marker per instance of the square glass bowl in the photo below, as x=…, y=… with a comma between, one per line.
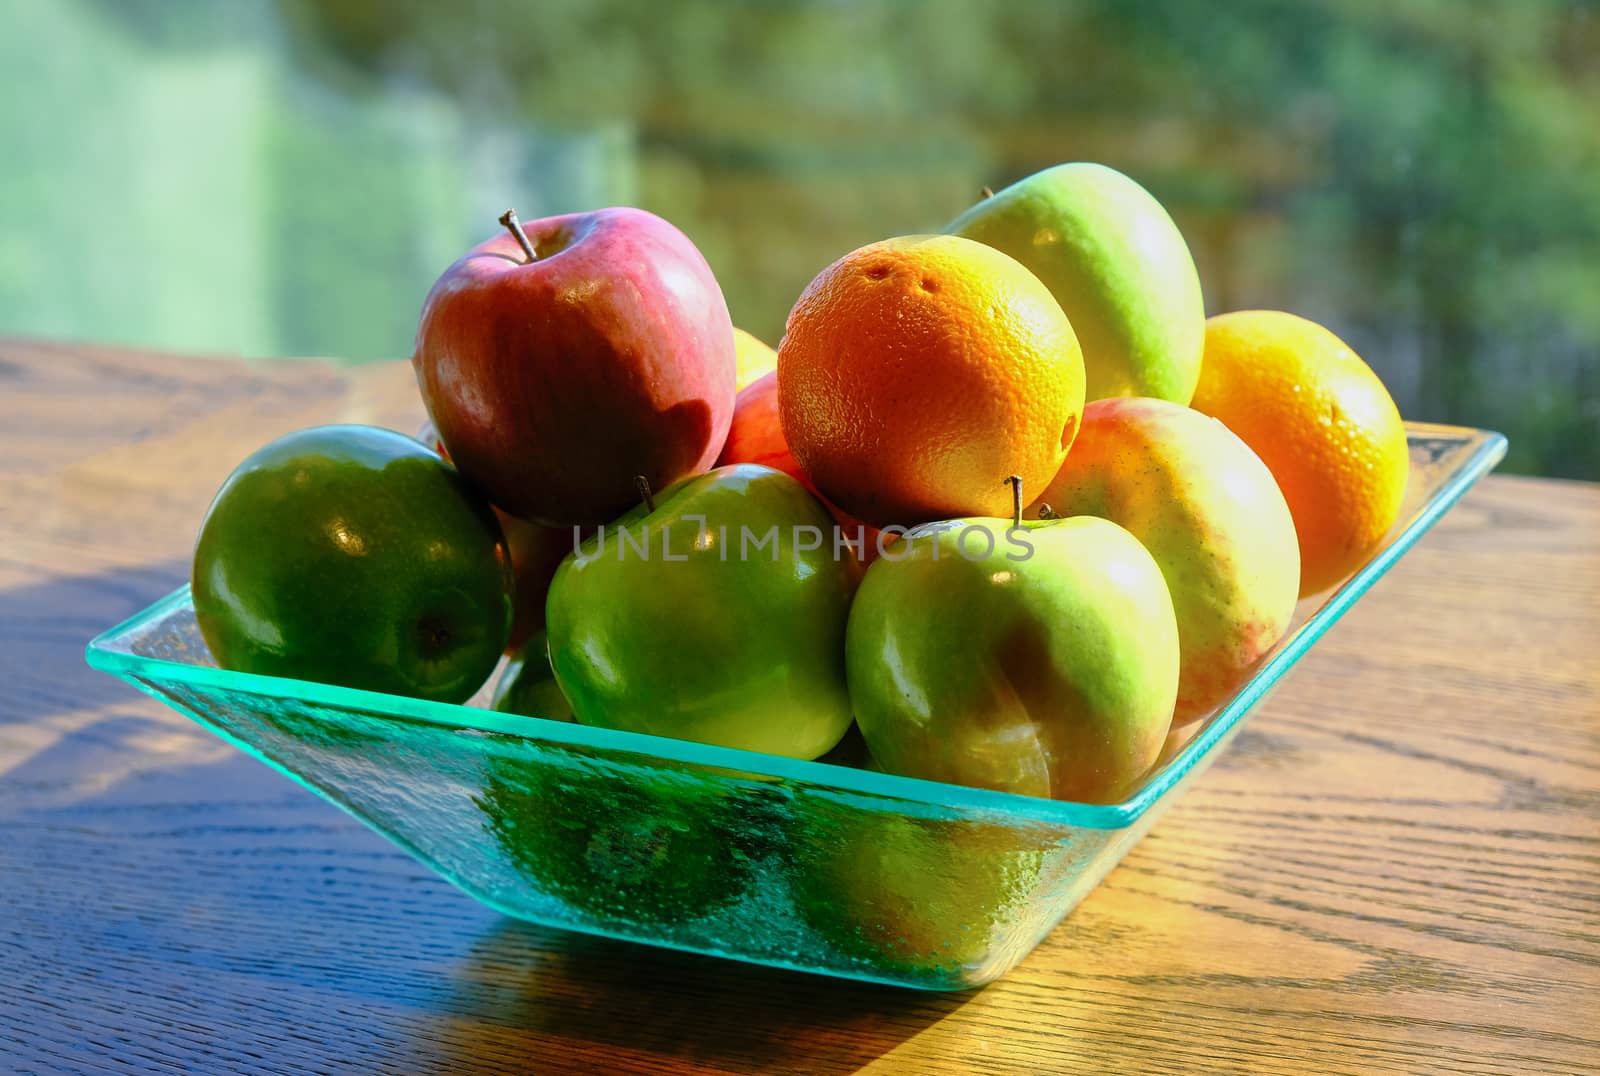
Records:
x=807, y=865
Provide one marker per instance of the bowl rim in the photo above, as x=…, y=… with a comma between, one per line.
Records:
x=1485, y=449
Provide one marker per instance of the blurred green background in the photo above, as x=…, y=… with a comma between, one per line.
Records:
x=287, y=177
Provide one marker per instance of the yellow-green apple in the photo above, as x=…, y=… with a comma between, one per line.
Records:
x=1040, y=659
x=1118, y=266
x=1210, y=513
x=561, y=360
x=755, y=359
x=355, y=556
x=714, y=612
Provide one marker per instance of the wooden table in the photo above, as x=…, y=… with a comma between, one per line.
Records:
x=1396, y=867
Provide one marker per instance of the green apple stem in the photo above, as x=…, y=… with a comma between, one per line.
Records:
x=1016, y=499
x=986, y=192
x=643, y=483
x=509, y=220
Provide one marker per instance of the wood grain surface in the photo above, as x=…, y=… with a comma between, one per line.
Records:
x=1395, y=868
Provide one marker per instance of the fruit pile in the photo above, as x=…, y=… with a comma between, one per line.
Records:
x=1003, y=497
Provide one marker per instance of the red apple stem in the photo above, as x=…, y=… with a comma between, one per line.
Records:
x=643, y=485
x=509, y=221
x=986, y=192
x=1015, y=482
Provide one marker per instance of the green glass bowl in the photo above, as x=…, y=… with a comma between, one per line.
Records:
x=818, y=866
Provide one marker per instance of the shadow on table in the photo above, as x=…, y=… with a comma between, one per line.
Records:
x=44, y=627
x=593, y=1002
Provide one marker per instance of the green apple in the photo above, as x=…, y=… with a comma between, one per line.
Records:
x=611, y=838
x=716, y=613
x=355, y=556
x=1040, y=659
x=528, y=686
x=1118, y=266
x=621, y=842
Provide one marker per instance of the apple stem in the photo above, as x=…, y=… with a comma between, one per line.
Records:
x=643, y=483
x=986, y=193
x=1015, y=482
x=509, y=220
x=1046, y=512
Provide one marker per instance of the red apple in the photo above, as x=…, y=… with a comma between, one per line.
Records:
x=756, y=436
x=562, y=361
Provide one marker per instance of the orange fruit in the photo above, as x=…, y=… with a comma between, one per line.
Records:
x=1321, y=421
x=917, y=374
x=753, y=358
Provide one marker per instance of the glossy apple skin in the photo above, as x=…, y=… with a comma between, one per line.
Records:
x=1049, y=676
x=1210, y=513
x=746, y=652
x=354, y=556
x=756, y=436
x=1118, y=266
x=553, y=383
x=649, y=849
